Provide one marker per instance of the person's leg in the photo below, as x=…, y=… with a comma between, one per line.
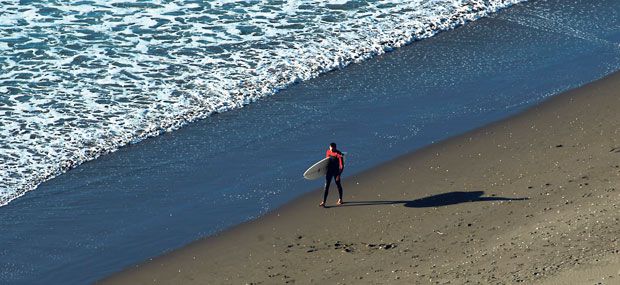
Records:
x=328, y=180
x=339, y=189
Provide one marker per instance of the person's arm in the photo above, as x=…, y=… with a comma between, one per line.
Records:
x=341, y=163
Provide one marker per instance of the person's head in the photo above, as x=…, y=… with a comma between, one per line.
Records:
x=332, y=146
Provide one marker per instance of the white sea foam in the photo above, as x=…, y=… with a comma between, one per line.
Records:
x=80, y=79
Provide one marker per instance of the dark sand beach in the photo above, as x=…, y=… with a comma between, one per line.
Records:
x=530, y=199
x=456, y=211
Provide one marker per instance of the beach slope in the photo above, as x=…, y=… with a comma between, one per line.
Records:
x=533, y=198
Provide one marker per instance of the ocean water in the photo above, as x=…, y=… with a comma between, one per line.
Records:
x=82, y=78
x=159, y=194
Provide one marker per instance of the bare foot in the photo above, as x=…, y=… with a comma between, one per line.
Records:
x=322, y=204
x=339, y=202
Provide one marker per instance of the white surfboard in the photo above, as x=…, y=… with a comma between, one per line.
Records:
x=318, y=169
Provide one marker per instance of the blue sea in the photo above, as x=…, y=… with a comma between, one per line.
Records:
x=131, y=128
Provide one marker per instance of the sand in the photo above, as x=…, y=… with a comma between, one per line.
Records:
x=533, y=198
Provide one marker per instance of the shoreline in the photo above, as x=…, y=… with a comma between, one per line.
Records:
x=166, y=192
x=519, y=215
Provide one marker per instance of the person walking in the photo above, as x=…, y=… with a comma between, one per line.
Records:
x=334, y=170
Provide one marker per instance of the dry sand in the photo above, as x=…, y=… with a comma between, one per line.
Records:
x=530, y=199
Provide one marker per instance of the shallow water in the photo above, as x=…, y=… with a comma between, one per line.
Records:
x=166, y=191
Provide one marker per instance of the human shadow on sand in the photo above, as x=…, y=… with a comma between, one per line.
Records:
x=444, y=199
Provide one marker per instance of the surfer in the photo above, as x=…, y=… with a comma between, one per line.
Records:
x=334, y=170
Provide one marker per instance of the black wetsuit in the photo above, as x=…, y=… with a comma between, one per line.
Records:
x=336, y=163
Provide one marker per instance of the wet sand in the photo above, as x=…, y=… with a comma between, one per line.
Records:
x=533, y=198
